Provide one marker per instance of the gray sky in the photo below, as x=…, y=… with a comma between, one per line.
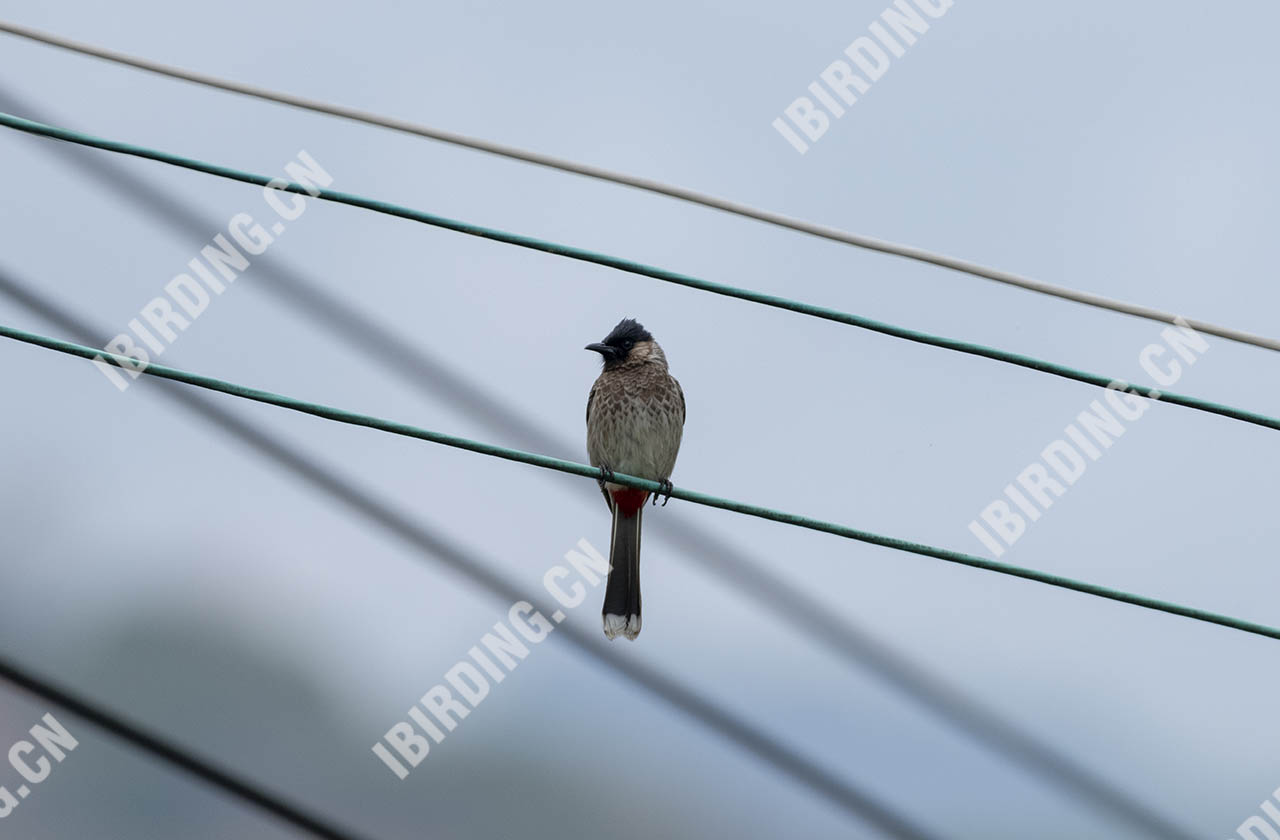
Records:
x=155, y=563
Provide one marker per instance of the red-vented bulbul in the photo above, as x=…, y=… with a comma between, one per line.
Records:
x=635, y=418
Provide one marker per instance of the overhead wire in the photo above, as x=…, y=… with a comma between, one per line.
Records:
x=419, y=370
x=354, y=418
x=912, y=253
x=647, y=184
x=432, y=543
x=171, y=753
x=630, y=266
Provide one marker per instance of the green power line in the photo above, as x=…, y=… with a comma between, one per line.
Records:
x=647, y=184
x=572, y=467
x=639, y=268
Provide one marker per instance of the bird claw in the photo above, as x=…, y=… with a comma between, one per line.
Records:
x=606, y=476
x=665, y=488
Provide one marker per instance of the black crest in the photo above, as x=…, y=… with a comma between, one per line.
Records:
x=627, y=333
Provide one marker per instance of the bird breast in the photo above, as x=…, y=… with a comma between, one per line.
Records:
x=636, y=422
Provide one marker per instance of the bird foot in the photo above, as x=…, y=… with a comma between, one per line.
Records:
x=665, y=492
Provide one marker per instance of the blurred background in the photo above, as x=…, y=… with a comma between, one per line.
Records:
x=155, y=561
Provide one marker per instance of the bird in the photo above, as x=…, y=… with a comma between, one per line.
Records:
x=635, y=421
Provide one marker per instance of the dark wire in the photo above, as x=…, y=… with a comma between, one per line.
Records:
x=167, y=751
x=429, y=540
x=634, y=267
x=421, y=371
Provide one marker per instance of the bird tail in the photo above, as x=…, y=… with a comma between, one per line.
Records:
x=622, y=592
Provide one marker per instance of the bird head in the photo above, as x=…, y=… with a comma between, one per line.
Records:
x=628, y=343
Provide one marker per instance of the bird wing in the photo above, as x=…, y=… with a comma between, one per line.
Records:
x=591, y=398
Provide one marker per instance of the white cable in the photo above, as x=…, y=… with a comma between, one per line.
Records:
x=834, y=234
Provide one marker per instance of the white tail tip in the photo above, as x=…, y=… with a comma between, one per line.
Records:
x=622, y=625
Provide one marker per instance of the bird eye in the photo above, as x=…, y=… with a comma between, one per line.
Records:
x=628, y=344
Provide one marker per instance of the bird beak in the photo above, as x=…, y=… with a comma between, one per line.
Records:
x=603, y=349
